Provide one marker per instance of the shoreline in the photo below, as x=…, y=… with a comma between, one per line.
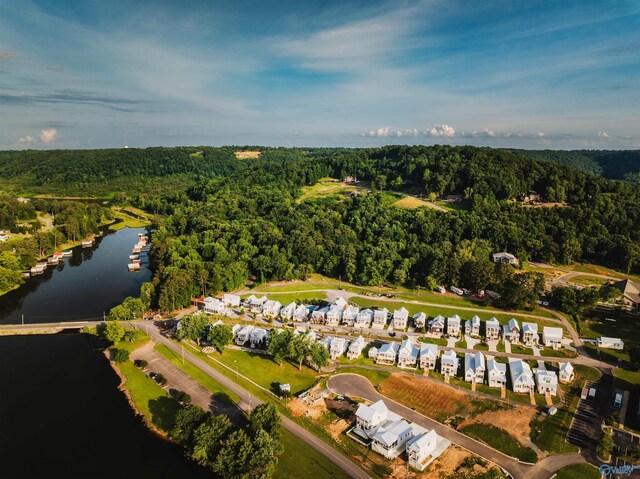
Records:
x=122, y=387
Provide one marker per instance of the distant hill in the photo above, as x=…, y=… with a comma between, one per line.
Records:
x=613, y=164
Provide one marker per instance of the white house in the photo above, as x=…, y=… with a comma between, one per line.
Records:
x=341, y=302
x=547, y=382
x=286, y=313
x=301, y=313
x=492, y=329
x=3, y=237
x=474, y=367
x=512, y=331
x=389, y=440
x=521, y=376
x=243, y=335
x=257, y=336
x=380, y=318
x=472, y=327
x=235, y=329
x=356, y=347
x=566, y=373
x=505, y=258
x=387, y=354
x=436, y=326
x=319, y=315
x=338, y=347
x=334, y=315
x=400, y=318
x=610, y=343
x=408, y=354
x=373, y=353
x=421, y=448
x=213, y=306
x=419, y=320
x=449, y=363
x=349, y=315
x=364, y=319
x=496, y=373
x=428, y=356
x=530, y=334
x=255, y=303
x=552, y=337
x=326, y=342
x=370, y=418
x=271, y=308
x=231, y=300
x=453, y=325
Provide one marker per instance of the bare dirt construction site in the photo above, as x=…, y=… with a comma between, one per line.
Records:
x=245, y=155
x=516, y=421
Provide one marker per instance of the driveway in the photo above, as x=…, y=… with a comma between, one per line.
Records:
x=356, y=386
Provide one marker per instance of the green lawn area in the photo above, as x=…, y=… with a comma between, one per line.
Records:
x=133, y=345
x=558, y=353
x=127, y=220
x=314, y=297
x=605, y=354
x=197, y=374
x=452, y=206
x=150, y=399
x=481, y=347
x=585, y=280
x=500, y=440
x=632, y=379
x=327, y=187
x=461, y=344
x=582, y=471
x=518, y=349
x=438, y=341
x=627, y=329
x=376, y=377
x=410, y=202
x=587, y=372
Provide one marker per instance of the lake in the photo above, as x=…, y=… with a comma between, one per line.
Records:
x=81, y=287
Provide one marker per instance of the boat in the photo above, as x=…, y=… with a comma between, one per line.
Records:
x=53, y=260
x=135, y=250
x=138, y=261
x=26, y=274
x=58, y=254
x=133, y=266
x=67, y=252
x=38, y=268
x=133, y=256
x=88, y=242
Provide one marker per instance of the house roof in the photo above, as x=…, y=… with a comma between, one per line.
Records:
x=369, y=412
x=449, y=357
x=429, y=349
x=438, y=320
x=630, y=289
x=381, y=313
x=421, y=441
x=495, y=367
x=513, y=323
x=475, y=320
x=550, y=332
x=401, y=313
x=566, y=368
x=529, y=327
x=408, y=348
x=453, y=320
x=473, y=361
x=493, y=322
x=548, y=378
x=338, y=343
x=388, y=348
x=358, y=342
x=520, y=372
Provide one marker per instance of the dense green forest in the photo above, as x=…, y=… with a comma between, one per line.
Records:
x=250, y=226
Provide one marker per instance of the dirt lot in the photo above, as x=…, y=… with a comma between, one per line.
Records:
x=243, y=155
x=430, y=398
x=298, y=408
x=516, y=421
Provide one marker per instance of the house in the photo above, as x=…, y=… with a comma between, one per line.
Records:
x=255, y=303
x=334, y=315
x=400, y=318
x=370, y=418
x=373, y=353
x=301, y=313
x=552, y=337
x=547, y=382
x=454, y=198
x=492, y=330
x=235, y=329
x=610, y=343
x=309, y=334
x=566, y=373
x=530, y=334
x=474, y=367
x=419, y=320
x=380, y=318
x=243, y=335
x=213, y=306
x=453, y=325
x=421, y=448
x=449, y=363
x=496, y=373
x=521, y=376
x=364, y=319
x=389, y=440
x=428, y=356
x=472, y=327
x=356, y=347
x=271, y=309
x=341, y=302
x=257, y=337
x=287, y=312
x=231, y=300
x=630, y=292
x=512, y=331
x=338, y=347
x=505, y=258
x=319, y=315
x=408, y=354
x=531, y=197
x=3, y=237
x=436, y=326
x=326, y=342
x=387, y=354
x=350, y=314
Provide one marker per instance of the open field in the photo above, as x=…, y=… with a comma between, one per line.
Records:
x=582, y=471
x=139, y=219
x=631, y=378
x=328, y=187
x=244, y=155
x=452, y=206
x=285, y=298
x=411, y=202
x=500, y=440
x=584, y=280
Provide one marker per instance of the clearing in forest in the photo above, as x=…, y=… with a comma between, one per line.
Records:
x=244, y=155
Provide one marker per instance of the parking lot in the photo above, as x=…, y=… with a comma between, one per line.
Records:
x=585, y=429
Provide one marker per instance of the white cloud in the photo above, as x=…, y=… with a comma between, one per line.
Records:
x=48, y=135
x=379, y=133
x=604, y=135
x=441, y=131
x=27, y=140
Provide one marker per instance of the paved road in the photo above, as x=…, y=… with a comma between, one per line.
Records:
x=354, y=385
x=248, y=401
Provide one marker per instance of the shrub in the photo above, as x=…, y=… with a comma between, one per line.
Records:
x=119, y=355
x=141, y=363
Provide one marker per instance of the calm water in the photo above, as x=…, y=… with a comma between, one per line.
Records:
x=81, y=287
x=62, y=416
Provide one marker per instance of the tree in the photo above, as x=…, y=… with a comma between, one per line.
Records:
x=319, y=355
x=192, y=327
x=188, y=419
x=265, y=417
x=605, y=445
x=183, y=397
x=112, y=331
x=220, y=335
x=141, y=363
x=279, y=344
x=264, y=457
x=119, y=355
x=299, y=349
x=208, y=437
x=233, y=458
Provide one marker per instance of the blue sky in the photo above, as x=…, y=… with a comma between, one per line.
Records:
x=110, y=73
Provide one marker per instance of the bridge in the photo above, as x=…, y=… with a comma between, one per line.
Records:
x=18, y=329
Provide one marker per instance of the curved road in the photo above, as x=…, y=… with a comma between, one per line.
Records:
x=354, y=385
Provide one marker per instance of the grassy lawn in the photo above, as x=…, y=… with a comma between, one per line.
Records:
x=327, y=187
x=197, y=374
x=438, y=341
x=585, y=280
x=558, y=353
x=481, y=347
x=461, y=344
x=410, y=202
x=453, y=206
x=376, y=377
x=133, y=345
x=500, y=346
x=313, y=297
x=627, y=329
x=632, y=379
x=518, y=349
x=587, y=372
x=500, y=440
x=150, y=399
x=129, y=221
x=583, y=471
x=612, y=355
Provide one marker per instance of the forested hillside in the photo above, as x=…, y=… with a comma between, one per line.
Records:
x=226, y=231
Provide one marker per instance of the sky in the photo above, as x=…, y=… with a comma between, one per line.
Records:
x=522, y=74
